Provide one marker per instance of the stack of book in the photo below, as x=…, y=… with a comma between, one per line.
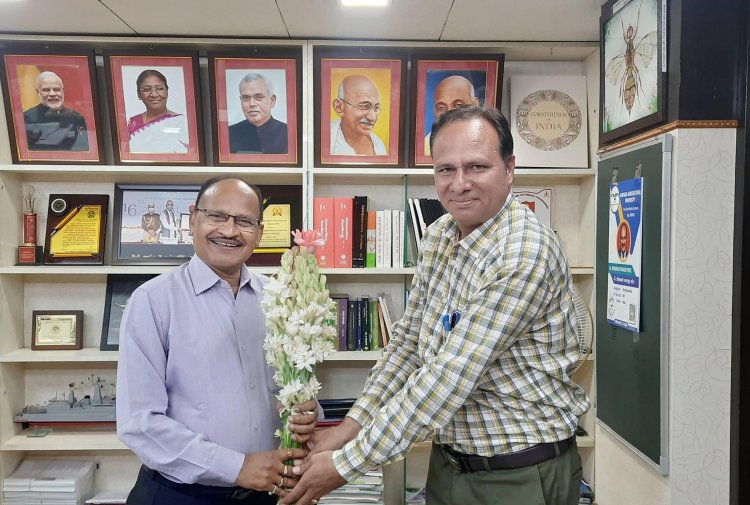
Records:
x=365, y=490
x=424, y=212
x=48, y=482
x=362, y=324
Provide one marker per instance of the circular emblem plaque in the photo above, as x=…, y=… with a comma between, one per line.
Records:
x=548, y=119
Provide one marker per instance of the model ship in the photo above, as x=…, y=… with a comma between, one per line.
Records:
x=95, y=408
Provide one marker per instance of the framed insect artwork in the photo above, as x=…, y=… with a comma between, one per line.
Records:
x=633, y=63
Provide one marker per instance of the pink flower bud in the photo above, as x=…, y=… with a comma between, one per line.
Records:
x=308, y=240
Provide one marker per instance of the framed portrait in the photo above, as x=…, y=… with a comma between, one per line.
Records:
x=443, y=82
x=152, y=224
x=119, y=289
x=633, y=66
x=56, y=329
x=256, y=107
x=154, y=105
x=358, y=106
x=51, y=106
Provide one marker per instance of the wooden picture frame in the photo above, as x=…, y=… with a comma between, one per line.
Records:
x=633, y=68
x=119, y=289
x=174, y=136
x=256, y=107
x=51, y=105
x=460, y=79
x=76, y=229
x=374, y=74
x=54, y=330
x=145, y=232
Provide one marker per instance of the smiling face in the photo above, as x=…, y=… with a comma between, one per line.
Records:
x=223, y=246
x=153, y=93
x=256, y=101
x=471, y=179
x=359, y=93
x=51, y=93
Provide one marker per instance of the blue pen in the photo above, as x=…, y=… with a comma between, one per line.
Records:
x=451, y=320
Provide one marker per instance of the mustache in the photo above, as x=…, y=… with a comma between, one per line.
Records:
x=366, y=122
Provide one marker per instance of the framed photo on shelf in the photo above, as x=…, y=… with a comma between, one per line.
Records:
x=256, y=107
x=358, y=106
x=154, y=106
x=76, y=226
x=119, y=289
x=56, y=330
x=443, y=82
x=152, y=224
x=633, y=68
x=51, y=106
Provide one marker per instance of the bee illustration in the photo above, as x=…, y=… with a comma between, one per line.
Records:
x=623, y=70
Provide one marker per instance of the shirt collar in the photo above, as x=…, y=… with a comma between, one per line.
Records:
x=203, y=277
x=473, y=241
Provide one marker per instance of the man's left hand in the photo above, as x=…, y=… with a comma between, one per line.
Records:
x=303, y=424
x=319, y=477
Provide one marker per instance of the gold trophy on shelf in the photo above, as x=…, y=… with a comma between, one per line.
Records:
x=29, y=253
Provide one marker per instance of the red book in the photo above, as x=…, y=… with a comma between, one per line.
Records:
x=343, y=214
x=323, y=222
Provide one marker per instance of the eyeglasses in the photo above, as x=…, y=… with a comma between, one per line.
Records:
x=244, y=223
x=159, y=90
x=364, y=107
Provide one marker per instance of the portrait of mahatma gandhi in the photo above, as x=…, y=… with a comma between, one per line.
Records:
x=357, y=105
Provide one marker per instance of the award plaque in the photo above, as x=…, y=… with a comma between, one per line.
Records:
x=29, y=253
x=282, y=214
x=76, y=225
x=57, y=329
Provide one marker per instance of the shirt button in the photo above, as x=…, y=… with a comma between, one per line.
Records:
x=251, y=385
x=255, y=428
x=244, y=347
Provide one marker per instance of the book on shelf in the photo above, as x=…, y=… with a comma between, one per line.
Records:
x=387, y=239
x=359, y=231
x=323, y=222
x=50, y=481
x=387, y=321
x=371, y=240
x=374, y=325
x=342, y=317
x=351, y=326
x=379, y=239
x=539, y=200
x=364, y=308
x=342, y=218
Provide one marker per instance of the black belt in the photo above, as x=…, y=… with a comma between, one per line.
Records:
x=200, y=490
x=531, y=456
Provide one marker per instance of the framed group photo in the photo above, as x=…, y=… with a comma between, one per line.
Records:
x=358, y=107
x=154, y=107
x=51, y=106
x=152, y=224
x=256, y=107
x=441, y=83
x=633, y=71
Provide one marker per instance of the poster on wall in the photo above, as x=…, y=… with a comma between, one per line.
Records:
x=624, y=263
x=549, y=121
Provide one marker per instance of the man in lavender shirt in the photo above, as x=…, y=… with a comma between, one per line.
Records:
x=195, y=397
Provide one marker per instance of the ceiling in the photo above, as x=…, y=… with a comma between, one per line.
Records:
x=430, y=20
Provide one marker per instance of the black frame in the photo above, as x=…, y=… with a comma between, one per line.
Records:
x=62, y=50
x=119, y=289
x=661, y=89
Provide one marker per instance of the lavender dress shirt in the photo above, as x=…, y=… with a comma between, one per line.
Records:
x=194, y=393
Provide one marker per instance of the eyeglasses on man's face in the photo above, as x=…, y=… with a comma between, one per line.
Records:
x=244, y=223
x=365, y=107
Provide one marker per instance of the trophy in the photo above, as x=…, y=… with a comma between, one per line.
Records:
x=29, y=253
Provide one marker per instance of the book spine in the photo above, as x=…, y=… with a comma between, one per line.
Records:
x=366, y=332
x=343, y=320
x=374, y=324
x=395, y=250
x=371, y=240
x=387, y=239
x=359, y=231
x=323, y=222
x=342, y=218
x=379, y=240
x=351, y=327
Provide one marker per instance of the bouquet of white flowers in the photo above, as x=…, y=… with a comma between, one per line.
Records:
x=300, y=323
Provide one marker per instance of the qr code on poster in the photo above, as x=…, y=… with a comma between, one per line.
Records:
x=631, y=313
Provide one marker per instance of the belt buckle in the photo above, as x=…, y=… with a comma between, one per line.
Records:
x=452, y=459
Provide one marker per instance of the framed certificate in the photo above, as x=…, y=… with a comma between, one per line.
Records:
x=57, y=329
x=76, y=225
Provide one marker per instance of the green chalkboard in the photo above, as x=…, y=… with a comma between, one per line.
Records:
x=631, y=366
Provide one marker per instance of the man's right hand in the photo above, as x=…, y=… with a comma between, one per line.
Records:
x=265, y=471
x=334, y=438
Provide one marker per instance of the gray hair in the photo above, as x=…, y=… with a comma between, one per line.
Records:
x=47, y=75
x=254, y=76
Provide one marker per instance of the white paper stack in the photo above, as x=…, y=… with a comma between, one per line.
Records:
x=365, y=490
x=50, y=482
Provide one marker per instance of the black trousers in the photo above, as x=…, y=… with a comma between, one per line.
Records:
x=151, y=488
